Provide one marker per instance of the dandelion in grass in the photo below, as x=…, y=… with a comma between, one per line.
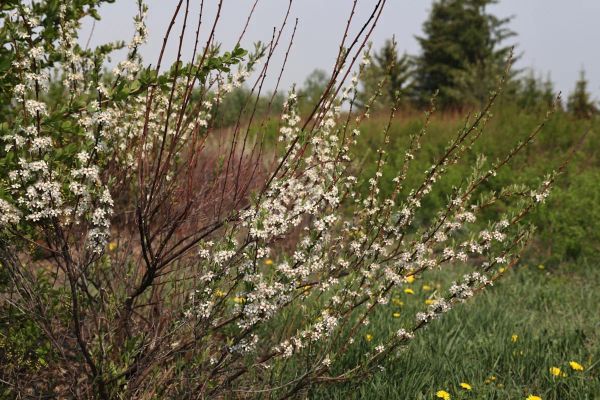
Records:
x=396, y=315
x=112, y=246
x=397, y=302
x=368, y=337
x=533, y=397
x=466, y=386
x=427, y=288
x=575, y=366
x=410, y=279
x=409, y=291
x=555, y=371
x=268, y=261
x=429, y=301
x=442, y=394
x=514, y=338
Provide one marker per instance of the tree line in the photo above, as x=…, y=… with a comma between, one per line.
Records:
x=464, y=52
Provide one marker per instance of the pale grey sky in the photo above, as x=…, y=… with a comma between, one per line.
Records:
x=556, y=37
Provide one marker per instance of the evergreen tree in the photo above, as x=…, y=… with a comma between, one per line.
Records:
x=461, y=50
x=532, y=93
x=472, y=85
x=580, y=103
x=388, y=73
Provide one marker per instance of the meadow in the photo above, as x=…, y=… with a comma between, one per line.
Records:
x=543, y=314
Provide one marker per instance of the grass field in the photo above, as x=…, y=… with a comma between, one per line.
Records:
x=502, y=343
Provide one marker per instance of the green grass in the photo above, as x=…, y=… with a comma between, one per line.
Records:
x=555, y=315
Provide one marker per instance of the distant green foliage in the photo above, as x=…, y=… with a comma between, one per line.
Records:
x=533, y=93
x=567, y=225
x=461, y=49
x=311, y=91
x=241, y=104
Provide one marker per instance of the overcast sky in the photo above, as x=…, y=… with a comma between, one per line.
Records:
x=556, y=37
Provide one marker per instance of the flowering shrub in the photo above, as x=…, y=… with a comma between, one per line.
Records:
x=146, y=254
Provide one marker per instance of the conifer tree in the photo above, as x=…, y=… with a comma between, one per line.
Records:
x=461, y=49
x=388, y=73
x=580, y=103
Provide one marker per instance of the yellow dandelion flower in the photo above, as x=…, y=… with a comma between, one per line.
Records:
x=368, y=337
x=397, y=302
x=429, y=302
x=492, y=378
x=501, y=269
x=112, y=246
x=541, y=266
x=533, y=397
x=410, y=279
x=442, y=394
x=555, y=371
x=465, y=386
x=268, y=261
x=575, y=366
x=427, y=288
x=514, y=338
x=239, y=300
x=220, y=293
x=396, y=315
x=409, y=291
